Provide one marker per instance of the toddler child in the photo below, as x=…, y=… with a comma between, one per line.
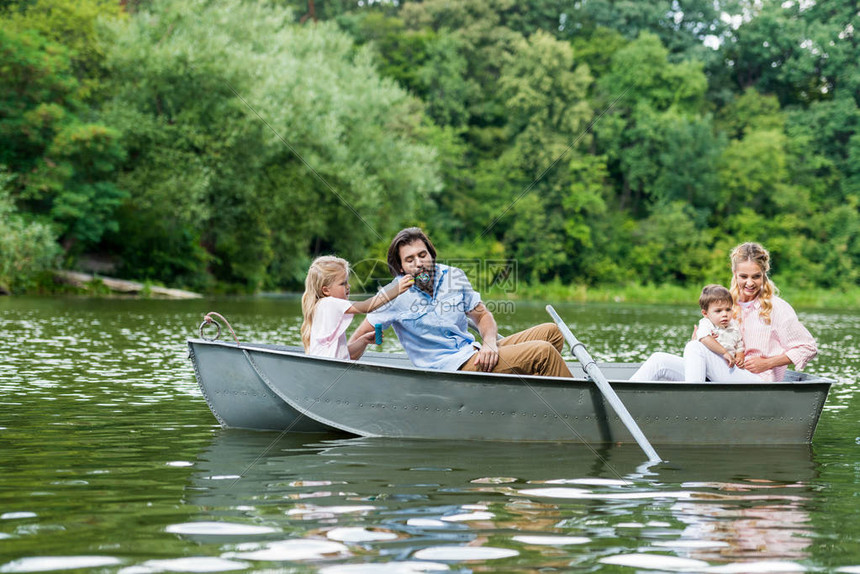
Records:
x=717, y=333
x=327, y=312
x=717, y=330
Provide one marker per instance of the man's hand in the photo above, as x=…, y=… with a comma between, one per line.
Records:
x=487, y=357
x=361, y=338
x=366, y=339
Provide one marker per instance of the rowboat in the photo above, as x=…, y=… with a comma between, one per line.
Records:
x=279, y=388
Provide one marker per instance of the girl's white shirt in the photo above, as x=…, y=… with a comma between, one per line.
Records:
x=328, y=331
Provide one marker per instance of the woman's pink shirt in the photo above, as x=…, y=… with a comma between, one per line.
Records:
x=784, y=334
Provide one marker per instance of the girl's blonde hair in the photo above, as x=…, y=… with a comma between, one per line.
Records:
x=322, y=273
x=758, y=255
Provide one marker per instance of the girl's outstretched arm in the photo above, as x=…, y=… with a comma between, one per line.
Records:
x=382, y=297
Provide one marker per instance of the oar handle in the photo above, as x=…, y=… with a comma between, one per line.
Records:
x=576, y=346
x=596, y=375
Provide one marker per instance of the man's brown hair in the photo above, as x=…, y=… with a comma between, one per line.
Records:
x=405, y=237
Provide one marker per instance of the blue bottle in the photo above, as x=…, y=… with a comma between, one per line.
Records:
x=377, y=330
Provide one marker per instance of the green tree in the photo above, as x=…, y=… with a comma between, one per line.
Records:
x=259, y=142
x=750, y=111
x=64, y=165
x=802, y=52
x=654, y=113
x=754, y=172
x=545, y=93
x=27, y=247
x=74, y=24
x=597, y=237
x=484, y=42
x=669, y=247
x=827, y=137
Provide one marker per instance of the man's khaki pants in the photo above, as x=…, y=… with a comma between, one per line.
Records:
x=535, y=351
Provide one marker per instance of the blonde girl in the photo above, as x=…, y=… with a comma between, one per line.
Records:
x=327, y=312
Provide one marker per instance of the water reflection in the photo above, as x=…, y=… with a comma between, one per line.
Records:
x=553, y=505
x=778, y=530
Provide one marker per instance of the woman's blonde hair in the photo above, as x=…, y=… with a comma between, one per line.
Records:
x=322, y=273
x=758, y=255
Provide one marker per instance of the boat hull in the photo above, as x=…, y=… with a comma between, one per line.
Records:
x=280, y=388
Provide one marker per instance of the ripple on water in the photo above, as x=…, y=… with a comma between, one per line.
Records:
x=584, y=481
x=494, y=480
x=301, y=549
x=426, y=523
x=189, y=564
x=691, y=544
x=407, y=567
x=359, y=534
x=761, y=567
x=579, y=493
x=218, y=529
x=541, y=540
x=466, y=517
x=311, y=512
x=51, y=563
x=17, y=515
x=656, y=562
x=464, y=553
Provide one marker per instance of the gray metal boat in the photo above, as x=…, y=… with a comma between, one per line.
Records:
x=271, y=387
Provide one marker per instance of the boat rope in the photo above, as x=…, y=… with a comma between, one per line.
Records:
x=209, y=320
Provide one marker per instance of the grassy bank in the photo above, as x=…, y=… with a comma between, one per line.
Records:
x=673, y=294
x=553, y=291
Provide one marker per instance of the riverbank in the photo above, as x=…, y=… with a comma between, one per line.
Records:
x=666, y=294
x=66, y=282
x=91, y=284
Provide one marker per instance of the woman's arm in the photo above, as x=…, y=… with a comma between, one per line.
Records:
x=798, y=344
x=790, y=336
x=761, y=364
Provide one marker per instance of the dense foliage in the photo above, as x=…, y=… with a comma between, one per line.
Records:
x=221, y=145
x=27, y=249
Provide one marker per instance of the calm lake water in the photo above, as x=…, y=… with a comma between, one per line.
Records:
x=112, y=462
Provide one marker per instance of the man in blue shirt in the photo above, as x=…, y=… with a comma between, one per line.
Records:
x=431, y=320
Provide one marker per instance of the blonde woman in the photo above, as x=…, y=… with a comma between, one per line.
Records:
x=773, y=337
x=327, y=312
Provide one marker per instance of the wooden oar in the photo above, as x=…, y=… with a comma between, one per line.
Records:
x=602, y=383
